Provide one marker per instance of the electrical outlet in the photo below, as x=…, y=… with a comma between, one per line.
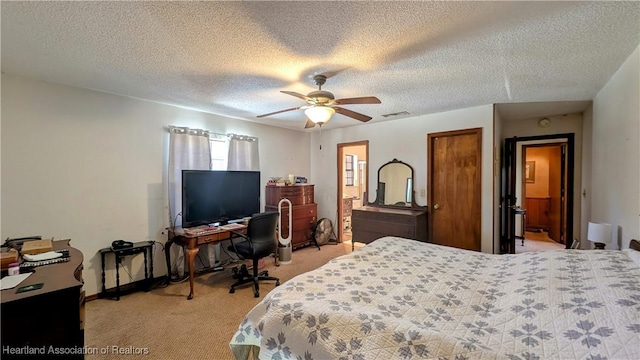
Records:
x=422, y=192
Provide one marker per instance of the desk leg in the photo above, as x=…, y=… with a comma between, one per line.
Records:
x=191, y=254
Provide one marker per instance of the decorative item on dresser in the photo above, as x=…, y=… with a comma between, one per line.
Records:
x=48, y=313
x=394, y=212
x=304, y=211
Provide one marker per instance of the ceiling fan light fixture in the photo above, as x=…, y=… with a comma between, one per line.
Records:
x=319, y=114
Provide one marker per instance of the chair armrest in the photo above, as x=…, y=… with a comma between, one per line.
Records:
x=236, y=234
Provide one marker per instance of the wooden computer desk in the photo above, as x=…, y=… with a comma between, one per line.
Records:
x=192, y=240
x=52, y=316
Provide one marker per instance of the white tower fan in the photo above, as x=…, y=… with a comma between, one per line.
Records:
x=284, y=244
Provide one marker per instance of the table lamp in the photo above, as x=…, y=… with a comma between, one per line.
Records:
x=600, y=234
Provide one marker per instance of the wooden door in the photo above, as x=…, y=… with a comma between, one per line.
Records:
x=555, y=174
x=508, y=198
x=454, y=182
x=564, y=203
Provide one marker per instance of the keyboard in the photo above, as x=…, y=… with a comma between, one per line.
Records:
x=32, y=264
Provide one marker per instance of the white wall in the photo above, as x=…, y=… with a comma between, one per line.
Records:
x=405, y=140
x=497, y=178
x=585, y=194
x=91, y=166
x=615, y=194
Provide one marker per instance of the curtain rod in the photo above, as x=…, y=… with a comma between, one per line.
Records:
x=187, y=130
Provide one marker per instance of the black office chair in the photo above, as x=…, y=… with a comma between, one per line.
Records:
x=260, y=241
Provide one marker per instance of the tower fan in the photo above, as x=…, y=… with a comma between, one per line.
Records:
x=284, y=251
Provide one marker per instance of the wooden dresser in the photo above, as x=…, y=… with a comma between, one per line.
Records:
x=371, y=222
x=51, y=316
x=304, y=211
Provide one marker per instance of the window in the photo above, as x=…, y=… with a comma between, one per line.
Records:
x=219, y=152
x=349, y=171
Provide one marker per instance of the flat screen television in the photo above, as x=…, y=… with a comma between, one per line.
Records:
x=210, y=196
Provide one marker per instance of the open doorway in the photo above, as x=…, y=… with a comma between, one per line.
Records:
x=521, y=220
x=543, y=191
x=353, y=178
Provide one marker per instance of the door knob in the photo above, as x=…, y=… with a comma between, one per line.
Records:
x=436, y=206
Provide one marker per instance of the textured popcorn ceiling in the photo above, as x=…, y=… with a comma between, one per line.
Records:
x=233, y=58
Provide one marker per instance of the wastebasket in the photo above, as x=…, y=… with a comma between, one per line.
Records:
x=284, y=253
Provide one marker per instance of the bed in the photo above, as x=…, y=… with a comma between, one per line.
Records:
x=403, y=299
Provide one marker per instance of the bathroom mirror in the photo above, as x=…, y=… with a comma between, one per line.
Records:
x=395, y=185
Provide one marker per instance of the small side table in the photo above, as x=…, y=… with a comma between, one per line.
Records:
x=144, y=247
x=523, y=212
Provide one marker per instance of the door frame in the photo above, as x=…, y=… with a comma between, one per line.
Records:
x=563, y=145
x=478, y=183
x=507, y=236
x=340, y=182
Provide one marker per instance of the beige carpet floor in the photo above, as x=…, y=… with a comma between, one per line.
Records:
x=163, y=324
x=537, y=241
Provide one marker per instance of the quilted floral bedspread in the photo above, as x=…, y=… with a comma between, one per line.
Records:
x=403, y=299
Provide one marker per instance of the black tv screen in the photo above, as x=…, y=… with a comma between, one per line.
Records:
x=210, y=196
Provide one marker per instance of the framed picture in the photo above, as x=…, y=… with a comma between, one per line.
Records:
x=530, y=171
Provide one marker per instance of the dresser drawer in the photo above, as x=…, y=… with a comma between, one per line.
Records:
x=296, y=190
x=310, y=210
x=301, y=238
x=385, y=217
x=297, y=194
x=299, y=224
x=300, y=211
x=370, y=223
x=384, y=228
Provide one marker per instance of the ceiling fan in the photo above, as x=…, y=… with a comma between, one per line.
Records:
x=321, y=105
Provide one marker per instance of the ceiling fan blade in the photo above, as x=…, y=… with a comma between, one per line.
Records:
x=278, y=112
x=358, y=100
x=298, y=95
x=352, y=114
x=309, y=124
